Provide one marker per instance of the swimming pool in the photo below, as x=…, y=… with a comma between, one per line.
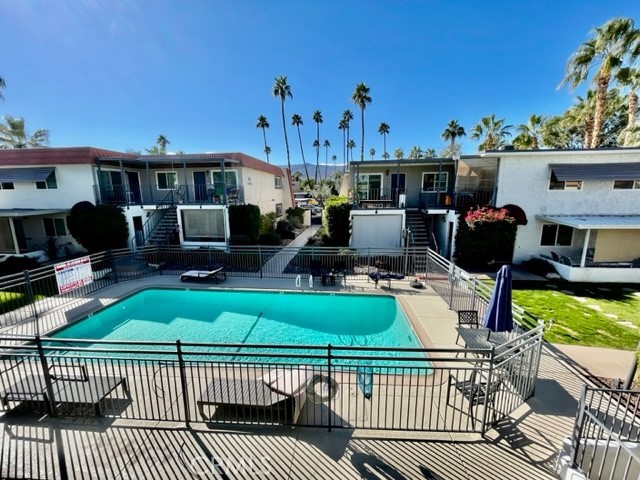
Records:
x=251, y=317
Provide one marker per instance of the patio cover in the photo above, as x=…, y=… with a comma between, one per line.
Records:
x=29, y=212
x=594, y=222
x=39, y=174
x=596, y=171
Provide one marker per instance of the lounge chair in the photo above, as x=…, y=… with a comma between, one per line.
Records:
x=377, y=276
x=281, y=389
x=72, y=386
x=218, y=274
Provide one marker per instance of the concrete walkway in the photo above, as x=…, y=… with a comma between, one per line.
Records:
x=280, y=260
x=599, y=362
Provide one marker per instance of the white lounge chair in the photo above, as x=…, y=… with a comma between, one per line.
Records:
x=217, y=274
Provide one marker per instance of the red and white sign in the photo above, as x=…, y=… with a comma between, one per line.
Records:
x=73, y=274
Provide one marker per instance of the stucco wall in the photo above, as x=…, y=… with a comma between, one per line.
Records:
x=380, y=230
x=617, y=245
x=259, y=189
x=523, y=179
x=75, y=184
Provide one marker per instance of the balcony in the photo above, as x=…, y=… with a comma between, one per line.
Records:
x=152, y=194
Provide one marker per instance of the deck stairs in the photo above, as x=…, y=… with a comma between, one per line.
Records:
x=420, y=229
x=161, y=235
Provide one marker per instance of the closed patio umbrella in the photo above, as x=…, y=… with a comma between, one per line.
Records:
x=498, y=316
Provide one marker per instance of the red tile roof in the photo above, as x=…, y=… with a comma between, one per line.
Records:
x=57, y=156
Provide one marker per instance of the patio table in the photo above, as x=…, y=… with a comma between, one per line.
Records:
x=479, y=338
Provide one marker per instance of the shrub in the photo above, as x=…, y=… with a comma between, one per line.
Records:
x=285, y=229
x=245, y=220
x=295, y=216
x=268, y=223
x=485, y=236
x=16, y=265
x=336, y=221
x=98, y=228
x=269, y=239
x=538, y=266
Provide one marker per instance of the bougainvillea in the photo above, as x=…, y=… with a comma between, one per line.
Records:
x=487, y=215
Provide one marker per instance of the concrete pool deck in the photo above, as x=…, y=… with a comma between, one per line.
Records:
x=524, y=445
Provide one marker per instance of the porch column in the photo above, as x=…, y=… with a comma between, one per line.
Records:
x=12, y=227
x=149, y=182
x=224, y=182
x=98, y=193
x=125, y=192
x=186, y=182
x=438, y=183
x=585, y=246
x=397, y=195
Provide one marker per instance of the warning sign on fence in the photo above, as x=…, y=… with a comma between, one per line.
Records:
x=73, y=274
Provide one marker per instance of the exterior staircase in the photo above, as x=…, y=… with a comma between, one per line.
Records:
x=163, y=231
x=420, y=229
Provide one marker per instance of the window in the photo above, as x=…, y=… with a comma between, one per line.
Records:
x=278, y=182
x=50, y=182
x=435, y=182
x=555, y=184
x=370, y=186
x=626, y=185
x=54, y=227
x=278, y=209
x=556, y=235
x=6, y=186
x=203, y=225
x=167, y=180
x=230, y=178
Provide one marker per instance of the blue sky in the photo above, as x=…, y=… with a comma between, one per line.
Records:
x=115, y=74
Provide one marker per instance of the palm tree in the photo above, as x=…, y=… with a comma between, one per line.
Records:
x=3, y=85
x=383, y=130
x=267, y=151
x=398, y=154
x=343, y=126
x=316, y=145
x=162, y=141
x=530, y=134
x=264, y=124
x=13, y=134
x=317, y=117
x=296, y=176
x=297, y=121
x=630, y=78
x=334, y=158
x=347, y=116
x=491, y=133
x=283, y=90
x=372, y=152
x=386, y=156
x=614, y=43
x=430, y=153
x=351, y=145
x=454, y=130
x=415, y=152
x=361, y=98
x=326, y=146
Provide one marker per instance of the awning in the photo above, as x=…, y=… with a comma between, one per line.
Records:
x=596, y=171
x=25, y=174
x=30, y=212
x=594, y=222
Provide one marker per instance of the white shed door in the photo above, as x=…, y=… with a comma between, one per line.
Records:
x=376, y=231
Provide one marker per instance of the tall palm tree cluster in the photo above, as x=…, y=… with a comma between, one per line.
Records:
x=13, y=132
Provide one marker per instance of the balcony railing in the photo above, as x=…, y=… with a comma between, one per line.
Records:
x=152, y=195
x=406, y=198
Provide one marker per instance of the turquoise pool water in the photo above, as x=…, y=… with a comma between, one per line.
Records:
x=249, y=317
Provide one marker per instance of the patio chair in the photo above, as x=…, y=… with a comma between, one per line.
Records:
x=280, y=390
x=340, y=268
x=71, y=385
x=218, y=274
x=467, y=318
x=477, y=392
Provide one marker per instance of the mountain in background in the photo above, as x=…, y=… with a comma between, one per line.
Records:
x=299, y=167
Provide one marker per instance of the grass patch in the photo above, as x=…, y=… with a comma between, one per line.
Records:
x=584, y=313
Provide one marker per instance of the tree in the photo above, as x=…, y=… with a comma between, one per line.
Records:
x=296, y=177
x=630, y=78
x=372, y=152
x=98, y=228
x=334, y=158
x=361, y=98
x=351, y=145
x=263, y=123
x=347, y=116
x=326, y=146
x=398, y=154
x=267, y=152
x=529, y=134
x=386, y=156
x=162, y=142
x=3, y=85
x=342, y=125
x=614, y=43
x=317, y=118
x=282, y=90
x=415, y=153
x=454, y=130
x=491, y=133
x=296, y=120
x=13, y=134
x=430, y=153
x=383, y=130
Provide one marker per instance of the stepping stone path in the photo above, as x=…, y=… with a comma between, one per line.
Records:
x=611, y=315
x=603, y=289
x=628, y=324
x=581, y=299
x=567, y=292
x=637, y=294
x=595, y=307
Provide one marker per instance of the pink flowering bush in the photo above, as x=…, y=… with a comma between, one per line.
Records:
x=487, y=215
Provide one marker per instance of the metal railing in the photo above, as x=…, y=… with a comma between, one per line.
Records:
x=320, y=386
x=151, y=194
x=606, y=437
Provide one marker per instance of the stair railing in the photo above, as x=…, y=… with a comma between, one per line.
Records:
x=154, y=220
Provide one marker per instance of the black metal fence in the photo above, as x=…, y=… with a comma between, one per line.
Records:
x=606, y=437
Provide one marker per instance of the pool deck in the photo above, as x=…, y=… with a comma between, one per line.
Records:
x=523, y=446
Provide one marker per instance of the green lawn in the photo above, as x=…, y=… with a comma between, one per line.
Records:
x=589, y=316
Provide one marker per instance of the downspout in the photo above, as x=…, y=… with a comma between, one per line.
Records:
x=99, y=192
x=495, y=185
x=398, y=187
